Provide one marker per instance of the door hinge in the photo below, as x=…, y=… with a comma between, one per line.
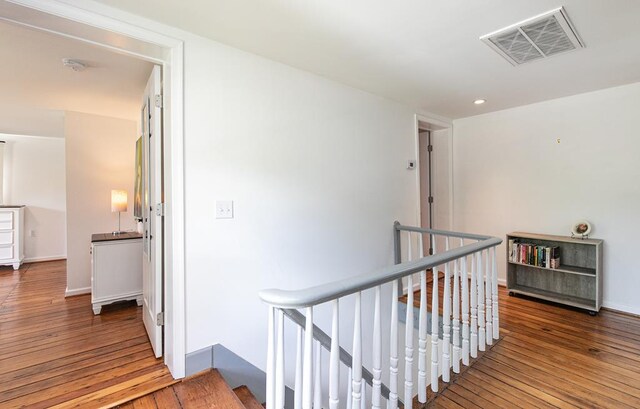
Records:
x=430, y=148
x=160, y=319
x=430, y=199
x=160, y=209
x=158, y=101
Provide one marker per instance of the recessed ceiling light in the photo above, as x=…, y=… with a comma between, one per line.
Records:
x=479, y=101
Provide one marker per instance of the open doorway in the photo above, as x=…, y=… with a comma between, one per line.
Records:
x=433, y=139
x=125, y=38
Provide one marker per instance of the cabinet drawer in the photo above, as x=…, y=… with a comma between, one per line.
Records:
x=6, y=253
x=6, y=237
x=6, y=220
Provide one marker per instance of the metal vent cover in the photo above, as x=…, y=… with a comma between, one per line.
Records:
x=536, y=38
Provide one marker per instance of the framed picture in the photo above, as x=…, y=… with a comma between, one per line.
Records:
x=137, y=195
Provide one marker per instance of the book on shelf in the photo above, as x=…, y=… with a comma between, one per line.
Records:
x=534, y=254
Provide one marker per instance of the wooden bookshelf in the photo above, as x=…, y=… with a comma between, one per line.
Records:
x=578, y=280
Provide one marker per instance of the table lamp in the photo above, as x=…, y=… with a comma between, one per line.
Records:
x=118, y=204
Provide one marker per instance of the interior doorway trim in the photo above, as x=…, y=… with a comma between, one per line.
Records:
x=424, y=122
x=72, y=19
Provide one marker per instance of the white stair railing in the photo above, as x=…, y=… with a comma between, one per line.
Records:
x=479, y=297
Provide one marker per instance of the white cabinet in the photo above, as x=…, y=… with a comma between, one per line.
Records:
x=116, y=269
x=11, y=236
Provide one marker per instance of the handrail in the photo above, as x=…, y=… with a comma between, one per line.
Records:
x=447, y=233
x=312, y=296
x=325, y=340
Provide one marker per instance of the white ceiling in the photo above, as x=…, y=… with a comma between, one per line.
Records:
x=32, y=74
x=425, y=53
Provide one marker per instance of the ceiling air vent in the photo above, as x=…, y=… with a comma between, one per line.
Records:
x=539, y=37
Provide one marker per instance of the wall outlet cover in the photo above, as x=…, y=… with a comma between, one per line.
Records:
x=224, y=209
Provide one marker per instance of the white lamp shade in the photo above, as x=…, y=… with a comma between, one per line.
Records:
x=118, y=200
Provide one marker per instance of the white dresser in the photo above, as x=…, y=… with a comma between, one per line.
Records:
x=116, y=269
x=11, y=236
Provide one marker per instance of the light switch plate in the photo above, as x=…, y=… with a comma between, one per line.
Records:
x=224, y=209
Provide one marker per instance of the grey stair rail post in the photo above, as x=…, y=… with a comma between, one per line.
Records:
x=397, y=250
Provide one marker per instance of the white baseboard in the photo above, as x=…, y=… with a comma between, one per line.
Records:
x=46, y=258
x=635, y=310
x=77, y=291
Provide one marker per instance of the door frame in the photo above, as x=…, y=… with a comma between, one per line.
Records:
x=96, y=26
x=424, y=122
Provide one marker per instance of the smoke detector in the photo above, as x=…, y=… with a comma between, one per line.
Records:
x=539, y=37
x=74, y=64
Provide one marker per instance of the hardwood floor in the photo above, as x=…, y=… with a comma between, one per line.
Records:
x=552, y=357
x=206, y=390
x=55, y=353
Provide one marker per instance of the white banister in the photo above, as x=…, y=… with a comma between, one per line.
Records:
x=393, y=348
x=496, y=320
x=422, y=334
x=376, y=390
x=456, y=317
x=357, y=353
x=446, y=321
x=297, y=397
x=350, y=390
x=279, y=386
x=487, y=303
x=408, y=343
x=408, y=335
x=464, y=277
x=271, y=359
x=317, y=381
x=334, y=358
x=481, y=319
x=434, y=325
x=307, y=366
x=474, y=309
x=469, y=322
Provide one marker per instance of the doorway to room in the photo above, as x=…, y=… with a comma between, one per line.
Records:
x=433, y=139
x=126, y=39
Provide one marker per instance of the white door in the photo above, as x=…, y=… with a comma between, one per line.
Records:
x=152, y=211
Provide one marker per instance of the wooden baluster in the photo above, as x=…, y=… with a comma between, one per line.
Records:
x=464, y=278
x=393, y=348
x=279, y=384
x=494, y=282
x=376, y=389
x=456, y=317
x=446, y=321
x=434, y=326
x=307, y=367
x=297, y=391
x=422, y=333
x=487, y=303
x=357, y=354
x=363, y=393
x=474, y=308
x=481, y=319
x=271, y=360
x=408, y=337
x=334, y=359
x=317, y=384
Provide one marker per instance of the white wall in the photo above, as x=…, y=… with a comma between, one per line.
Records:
x=510, y=173
x=100, y=154
x=34, y=175
x=30, y=120
x=317, y=172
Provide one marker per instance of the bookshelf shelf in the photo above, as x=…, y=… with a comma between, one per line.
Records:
x=565, y=269
x=576, y=282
